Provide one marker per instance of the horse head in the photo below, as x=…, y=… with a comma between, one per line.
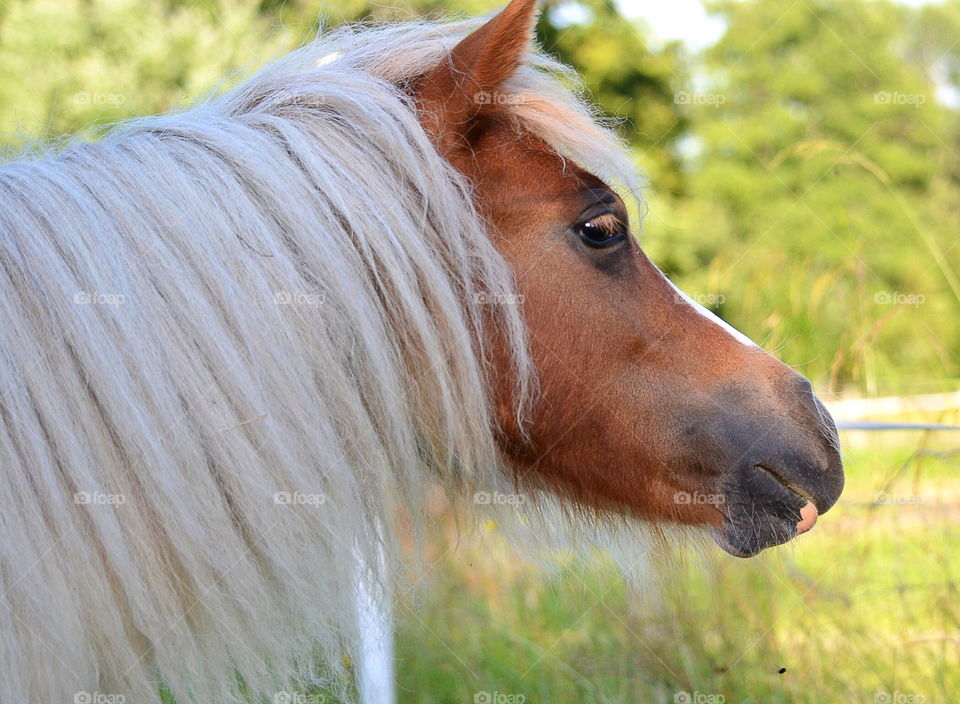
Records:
x=648, y=404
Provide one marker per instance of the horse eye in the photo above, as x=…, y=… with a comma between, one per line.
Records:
x=601, y=231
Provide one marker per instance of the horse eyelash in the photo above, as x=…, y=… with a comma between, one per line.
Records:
x=609, y=223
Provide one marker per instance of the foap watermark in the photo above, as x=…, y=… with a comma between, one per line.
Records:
x=683, y=697
x=697, y=498
x=704, y=299
x=895, y=697
x=485, y=298
x=309, y=100
x=298, y=698
x=299, y=298
x=96, y=298
x=886, y=97
x=498, y=698
x=687, y=98
x=896, y=298
x=495, y=498
x=885, y=499
x=98, y=498
x=299, y=498
x=98, y=698
x=497, y=98
x=85, y=98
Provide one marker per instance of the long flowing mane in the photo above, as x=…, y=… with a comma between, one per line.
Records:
x=234, y=341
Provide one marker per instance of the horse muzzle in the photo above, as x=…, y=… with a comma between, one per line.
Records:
x=785, y=478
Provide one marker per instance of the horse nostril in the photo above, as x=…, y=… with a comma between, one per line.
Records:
x=816, y=485
x=787, y=483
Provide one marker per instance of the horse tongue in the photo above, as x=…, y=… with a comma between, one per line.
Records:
x=808, y=518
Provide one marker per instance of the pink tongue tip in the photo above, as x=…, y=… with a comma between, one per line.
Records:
x=808, y=518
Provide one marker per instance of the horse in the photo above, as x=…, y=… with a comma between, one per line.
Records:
x=239, y=343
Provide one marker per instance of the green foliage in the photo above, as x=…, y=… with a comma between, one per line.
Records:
x=804, y=176
x=821, y=200
x=72, y=64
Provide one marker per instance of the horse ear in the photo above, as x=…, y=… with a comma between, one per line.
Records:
x=469, y=81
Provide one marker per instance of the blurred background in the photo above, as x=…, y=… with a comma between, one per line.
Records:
x=804, y=167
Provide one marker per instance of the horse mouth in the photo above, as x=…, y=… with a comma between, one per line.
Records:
x=766, y=511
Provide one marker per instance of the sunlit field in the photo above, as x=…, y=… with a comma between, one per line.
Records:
x=864, y=608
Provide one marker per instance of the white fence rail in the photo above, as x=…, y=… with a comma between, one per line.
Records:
x=861, y=413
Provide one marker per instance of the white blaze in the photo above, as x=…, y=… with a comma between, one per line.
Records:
x=736, y=334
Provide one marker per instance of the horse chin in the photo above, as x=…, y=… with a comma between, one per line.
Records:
x=752, y=524
x=749, y=541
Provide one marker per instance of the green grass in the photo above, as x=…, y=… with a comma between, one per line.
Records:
x=867, y=603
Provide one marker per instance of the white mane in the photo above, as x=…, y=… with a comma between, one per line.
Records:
x=233, y=341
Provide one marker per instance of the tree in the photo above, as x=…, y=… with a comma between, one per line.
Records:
x=811, y=218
